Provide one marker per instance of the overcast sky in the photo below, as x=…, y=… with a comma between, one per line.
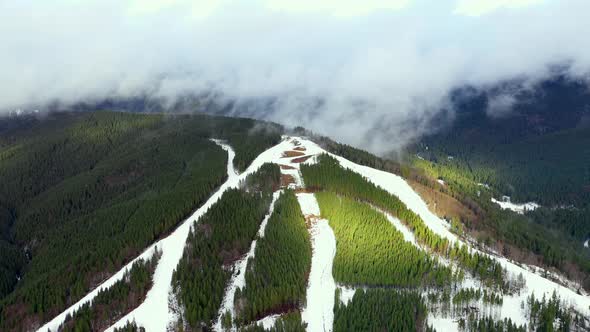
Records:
x=376, y=63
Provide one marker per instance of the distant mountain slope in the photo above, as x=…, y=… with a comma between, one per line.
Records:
x=536, y=149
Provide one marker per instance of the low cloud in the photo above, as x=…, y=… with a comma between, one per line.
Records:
x=481, y=7
x=500, y=105
x=372, y=76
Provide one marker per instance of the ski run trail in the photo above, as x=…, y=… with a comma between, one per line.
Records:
x=319, y=312
x=155, y=314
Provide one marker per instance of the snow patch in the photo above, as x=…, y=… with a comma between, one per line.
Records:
x=319, y=312
x=268, y=322
x=346, y=294
x=586, y=243
x=231, y=171
x=308, y=203
x=408, y=235
x=485, y=185
x=443, y=323
x=518, y=208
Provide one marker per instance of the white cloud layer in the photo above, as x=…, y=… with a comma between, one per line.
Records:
x=383, y=68
x=481, y=7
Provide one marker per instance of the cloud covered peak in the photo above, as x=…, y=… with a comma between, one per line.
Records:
x=381, y=69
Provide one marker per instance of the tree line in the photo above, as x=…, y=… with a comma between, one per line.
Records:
x=328, y=175
x=467, y=295
x=130, y=327
x=289, y=322
x=381, y=310
x=113, y=303
x=276, y=277
x=553, y=314
x=218, y=239
x=92, y=190
x=370, y=251
x=488, y=324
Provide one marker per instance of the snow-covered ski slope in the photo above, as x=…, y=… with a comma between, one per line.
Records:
x=319, y=311
x=154, y=313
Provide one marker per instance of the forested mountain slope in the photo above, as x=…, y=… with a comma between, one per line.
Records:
x=253, y=231
x=535, y=150
x=510, y=296
x=83, y=193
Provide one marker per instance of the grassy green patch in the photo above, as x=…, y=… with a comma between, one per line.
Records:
x=370, y=251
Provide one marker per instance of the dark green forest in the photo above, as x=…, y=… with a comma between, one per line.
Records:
x=217, y=240
x=83, y=193
x=537, y=152
x=555, y=234
x=381, y=310
x=112, y=304
x=488, y=324
x=276, y=278
x=130, y=327
x=553, y=314
x=289, y=322
x=548, y=167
